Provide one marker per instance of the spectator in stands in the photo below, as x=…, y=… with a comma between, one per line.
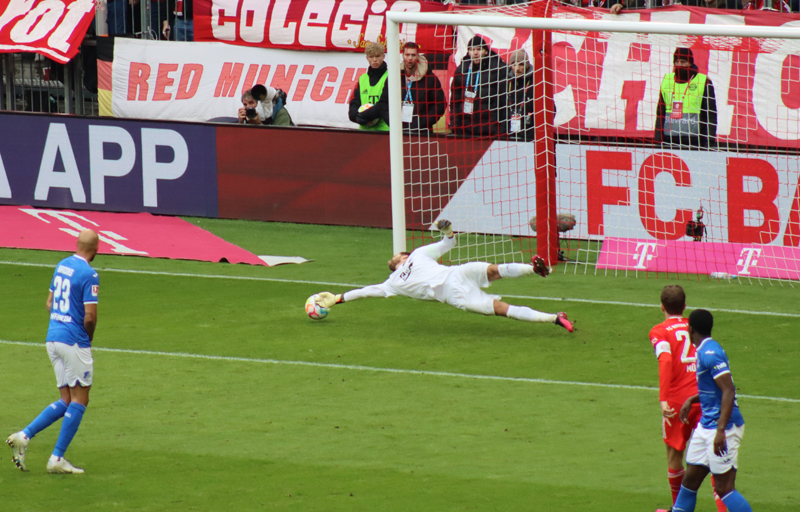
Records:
x=767, y=5
x=710, y=4
x=687, y=106
x=184, y=20
x=369, y=106
x=478, y=94
x=520, y=96
x=423, y=97
x=160, y=26
x=120, y=16
x=617, y=7
x=263, y=105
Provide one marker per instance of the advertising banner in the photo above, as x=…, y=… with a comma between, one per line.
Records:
x=135, y=234
x=715, y=259
x=337, y=25
x=303, y=175
x=652, y=194
x=53, y=28
x=645, y=193
x=98, y=164
x=203, y=81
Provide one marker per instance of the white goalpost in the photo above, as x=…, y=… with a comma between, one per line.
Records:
x=663, y=141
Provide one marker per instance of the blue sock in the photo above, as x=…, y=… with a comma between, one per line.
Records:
x=72, y=420
x=687, y=499
x=47, y=417
x=736, y=502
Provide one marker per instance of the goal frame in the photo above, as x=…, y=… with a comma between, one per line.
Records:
x=546, y=228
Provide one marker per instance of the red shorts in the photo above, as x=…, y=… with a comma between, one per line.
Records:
x=676, y=433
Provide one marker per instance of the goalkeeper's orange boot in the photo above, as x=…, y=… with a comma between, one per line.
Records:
x=561, y=319
x=539, y=266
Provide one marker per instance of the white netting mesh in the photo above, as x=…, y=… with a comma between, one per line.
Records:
x=621, y=140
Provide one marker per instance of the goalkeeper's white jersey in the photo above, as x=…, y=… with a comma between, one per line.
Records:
x=420, y=277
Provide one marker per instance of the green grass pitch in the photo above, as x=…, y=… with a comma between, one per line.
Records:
x=250, y=429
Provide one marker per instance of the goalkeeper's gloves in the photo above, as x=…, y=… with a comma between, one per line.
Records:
x=328, y=300
x=445, y=227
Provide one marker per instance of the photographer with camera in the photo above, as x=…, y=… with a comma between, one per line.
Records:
x=263, y=105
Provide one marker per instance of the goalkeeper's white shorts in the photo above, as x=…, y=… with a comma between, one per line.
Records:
x=463, y=289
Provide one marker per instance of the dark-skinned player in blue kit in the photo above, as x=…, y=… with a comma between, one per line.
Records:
x=714, y=447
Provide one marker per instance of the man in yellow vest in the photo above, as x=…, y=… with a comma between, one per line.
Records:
x=369, y=107
x=687, y=108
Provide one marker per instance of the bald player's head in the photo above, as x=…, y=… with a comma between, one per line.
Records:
x=87, y=244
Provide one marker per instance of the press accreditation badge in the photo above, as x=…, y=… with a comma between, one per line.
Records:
x=515, y=124
x=677, y=110
x=469, y=99
x=408, y=111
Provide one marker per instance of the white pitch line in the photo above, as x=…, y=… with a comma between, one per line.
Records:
x=354, y=285
x=186, y=355
x=182, y=274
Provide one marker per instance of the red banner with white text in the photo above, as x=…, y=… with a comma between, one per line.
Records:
x=337, y=25
x=53, y=28
x=608, y=84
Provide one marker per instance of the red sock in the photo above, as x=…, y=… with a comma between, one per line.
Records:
x=675, y=479
x=720, y=505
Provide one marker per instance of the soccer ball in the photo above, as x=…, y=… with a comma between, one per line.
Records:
x=314, y=309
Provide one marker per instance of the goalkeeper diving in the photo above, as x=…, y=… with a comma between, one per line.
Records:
x=418, y=275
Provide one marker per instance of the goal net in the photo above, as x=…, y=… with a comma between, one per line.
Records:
x=659, y=141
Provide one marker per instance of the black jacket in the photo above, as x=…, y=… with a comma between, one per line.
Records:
x=426, y=94
x=489, y=110
x=379, y=109
x=520, y=101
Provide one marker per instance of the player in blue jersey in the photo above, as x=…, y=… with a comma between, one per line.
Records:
x=715, y=442
x=72, y=303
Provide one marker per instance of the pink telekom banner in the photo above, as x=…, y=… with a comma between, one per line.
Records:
x=135, y=234
x=338, y=25
x=731, y=259
x=608, y=84
x=53, y=28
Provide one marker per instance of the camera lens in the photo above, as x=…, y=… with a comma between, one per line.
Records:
x=250, y=113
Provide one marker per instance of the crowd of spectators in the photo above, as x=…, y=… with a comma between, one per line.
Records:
x=125, y=17
x=490, y=97
x=493, y=98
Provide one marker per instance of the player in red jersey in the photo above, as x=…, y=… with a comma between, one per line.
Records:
x=676, y=382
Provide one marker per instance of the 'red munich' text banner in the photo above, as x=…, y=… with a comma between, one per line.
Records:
x=53, y=28
x=608, y=84
x=339, y=25
x=204, y=81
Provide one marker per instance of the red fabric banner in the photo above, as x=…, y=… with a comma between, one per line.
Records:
x=53, y=28
x=127, y=234
x=337, y=25
x=607, y=84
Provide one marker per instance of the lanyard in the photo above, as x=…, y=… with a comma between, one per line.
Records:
x=674, y=83
x=408, y=90
x=469, y=76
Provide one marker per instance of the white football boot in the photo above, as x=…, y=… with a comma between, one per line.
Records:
x=19, y=445
x=60, y=465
